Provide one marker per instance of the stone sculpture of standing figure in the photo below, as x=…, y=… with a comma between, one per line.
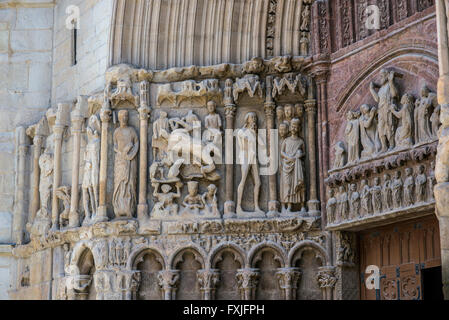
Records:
x=396, y=187
x=366, y=198
x=354, y=203
x=424, y=104
x=421, y=183
x=331, y=207
x=340, y=155
x=352, y=133
x=376, y=193
x=126, y=147
x=368, y=131
x=91, y=169
x=292, y=172
x=409, y=187
x=342, y=204
x=247, y=147
x=404, y=133
x=387, y=196
x=385, y=97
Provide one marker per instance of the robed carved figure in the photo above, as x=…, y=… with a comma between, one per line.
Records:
x=126, y=146
x=292, y=172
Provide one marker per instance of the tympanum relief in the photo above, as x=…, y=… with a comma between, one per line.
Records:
x=386, y=161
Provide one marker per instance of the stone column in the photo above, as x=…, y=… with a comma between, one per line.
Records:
x=441, y=190
x=38, y=141
x=313, y=203
x=247, y=280
x=208, y=280
x=105, y=115
x=270, y=107
x=19, y=209
x=58, y=130
x=326, y=280
x=288, y=279
x=144, y=111
x=168, y=281
x=229, y=206
x=129, y=284
x=77, y=122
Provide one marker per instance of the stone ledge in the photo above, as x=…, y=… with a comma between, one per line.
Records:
x=6, y=249
x=382, y=219
x=154, y=228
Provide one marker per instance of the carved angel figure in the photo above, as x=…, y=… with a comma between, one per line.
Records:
x=126, y=146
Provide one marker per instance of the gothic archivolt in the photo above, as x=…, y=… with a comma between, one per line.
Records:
x=137, y=184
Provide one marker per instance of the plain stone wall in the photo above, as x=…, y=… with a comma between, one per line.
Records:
x=87, y=76
x=36, y=73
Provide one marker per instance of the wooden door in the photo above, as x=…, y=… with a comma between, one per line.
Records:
x=401, y=251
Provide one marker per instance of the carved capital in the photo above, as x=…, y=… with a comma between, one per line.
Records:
x=144, y=89
x=230, y=110
x=269, y=108
x=144, y=112
x=105, y=115
x=58, y=129
x=78, y=286
x=311, y=106
x=128, y=283
x=208, y=280
x=247, y=281
x=326, y=280
x=288, y=279
x=77, y=121
x=38, y=141
x=168, y=280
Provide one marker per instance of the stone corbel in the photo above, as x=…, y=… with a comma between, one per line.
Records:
x=326, y=280
x=168, y=280
x=208, y=280
x=288, y=279
x=247, y=281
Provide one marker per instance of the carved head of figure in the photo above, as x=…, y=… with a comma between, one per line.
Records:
x=365, y=109
x=376, y=181
x=397, y=174
x=384, y=74
x=289, y=111
x=444, y=115
x=386, y=177
x=425, y=91
x=211, y=106
x=408, y=172
x=299, y=108
x=123, y=116
x=166, y=188
x=295, y=126
x=280, y=113
x=353, y=187
x=407, y=99
x=211, y=189
x=163, y=115
x=349, y=116
x=192, y=187
x=364, y=182
x=341, y=189
x=251, y=121
x=421, y=169
x=283, y=130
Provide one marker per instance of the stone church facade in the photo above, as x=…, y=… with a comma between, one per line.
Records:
x=225, y=149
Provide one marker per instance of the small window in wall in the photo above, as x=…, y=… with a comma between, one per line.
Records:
x=74, y=42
